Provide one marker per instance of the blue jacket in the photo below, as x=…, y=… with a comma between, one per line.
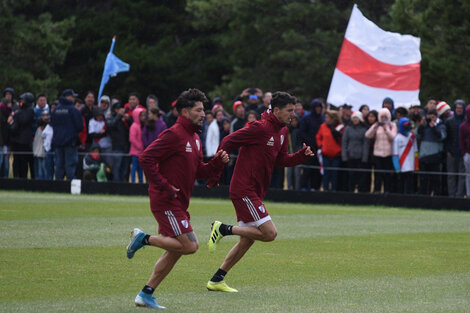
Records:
x=66, y=121
x=309, y=126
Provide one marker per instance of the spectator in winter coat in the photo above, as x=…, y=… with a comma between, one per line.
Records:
x=239, y=120
x=454, y=160
x=47, y=135
x=137, y=146
x=308, y=129
x=87, y=113
x=329, y=143
x=105, y=105
x=171, y=117
x=5, y=111
x=153, y=127
x=443, y=111
x=431, y=133
x=39, y=153
x=97, y=131
x=364, y=109
x=118, y=129
x=21, y=134
x=213, y=137
x=355, y=151
x=405, y=151
x=383, y=131
x=66, y=122
x=294, y=145
x=464, y=138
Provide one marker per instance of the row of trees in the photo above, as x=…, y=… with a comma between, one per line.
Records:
x=219, y=46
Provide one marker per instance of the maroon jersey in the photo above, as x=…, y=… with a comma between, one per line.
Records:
x=263, y=145
x=175, y=158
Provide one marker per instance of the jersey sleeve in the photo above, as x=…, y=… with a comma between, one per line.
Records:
x=287, y=160
x=249, y=135
x=158, y=151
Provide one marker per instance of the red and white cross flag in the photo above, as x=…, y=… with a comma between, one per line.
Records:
x=374, y=64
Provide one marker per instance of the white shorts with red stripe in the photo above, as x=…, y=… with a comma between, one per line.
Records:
x=250, y=211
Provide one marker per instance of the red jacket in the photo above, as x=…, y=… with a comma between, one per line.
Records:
x=263, y=145
x=330, y=147
x=175, y=158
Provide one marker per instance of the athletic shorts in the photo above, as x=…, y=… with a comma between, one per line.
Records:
x=250, y=211
x=172, y=223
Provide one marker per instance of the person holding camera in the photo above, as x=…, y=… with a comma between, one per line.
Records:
x=384, y=132
x=431, y=133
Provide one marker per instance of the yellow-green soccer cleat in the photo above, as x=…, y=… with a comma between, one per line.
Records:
x=220, y=286
x=215, y=236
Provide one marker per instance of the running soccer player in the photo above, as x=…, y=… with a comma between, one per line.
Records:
x=171, y=164
x=263, y=145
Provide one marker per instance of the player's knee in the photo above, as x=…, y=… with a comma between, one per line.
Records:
x=270, y=235
x=190, y=248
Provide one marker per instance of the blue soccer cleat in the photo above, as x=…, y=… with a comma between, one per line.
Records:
x=147, y=301
x=136, y=242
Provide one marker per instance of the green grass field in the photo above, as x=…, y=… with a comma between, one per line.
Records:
x=64, y=253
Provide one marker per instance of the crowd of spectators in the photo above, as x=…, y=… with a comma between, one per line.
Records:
x=411, y=149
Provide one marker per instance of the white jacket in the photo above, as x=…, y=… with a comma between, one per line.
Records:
x=212, y=138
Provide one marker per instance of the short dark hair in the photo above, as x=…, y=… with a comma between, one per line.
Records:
x=432, y=112
x=280, y=99
x=135, y=94
x=40, y=95
x=188, y=98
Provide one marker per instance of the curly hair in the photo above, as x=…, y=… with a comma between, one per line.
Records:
x=280, y=99
x=188, y=98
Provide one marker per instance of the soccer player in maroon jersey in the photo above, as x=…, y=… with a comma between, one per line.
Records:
x=263, y=145
x=171, y=164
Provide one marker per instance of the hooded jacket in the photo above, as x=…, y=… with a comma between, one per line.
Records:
x=21, y=131
x=175, y=159
x=451, y=144
x=310, y=124
x=67, y=122
x=135, y=133
x=263, y=144
x=118, y=129
x=384, y=136
x=464, y=134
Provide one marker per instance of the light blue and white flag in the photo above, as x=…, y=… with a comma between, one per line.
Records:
x=112, y=66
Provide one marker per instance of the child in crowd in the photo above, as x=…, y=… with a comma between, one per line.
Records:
x=405, y=156
x=39, y=153
x=94, y=166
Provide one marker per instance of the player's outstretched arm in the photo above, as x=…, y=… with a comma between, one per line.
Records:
x=214, y=167
x=287, y=160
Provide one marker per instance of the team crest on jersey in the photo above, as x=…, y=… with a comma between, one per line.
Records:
x=198, y=145
x=185, y=223
x=262, y=209
x=188, y=147
x=282, y=139
x=270, y=141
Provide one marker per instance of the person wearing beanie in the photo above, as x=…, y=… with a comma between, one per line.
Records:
x=355, y=151
x=454, y=160
x=464, y=139
x=443, y=111
x=239, y=120
x=405, y=154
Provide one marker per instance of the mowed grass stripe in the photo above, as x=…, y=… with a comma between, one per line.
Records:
x=65, y=272
x=109, y=231
x=67, y=254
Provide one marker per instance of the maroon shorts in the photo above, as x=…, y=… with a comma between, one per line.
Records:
x=172, y=223
x=250, y=211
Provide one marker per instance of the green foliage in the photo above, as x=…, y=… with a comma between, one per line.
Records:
x=32, y=49
x=219, y=46
x=444, y=29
